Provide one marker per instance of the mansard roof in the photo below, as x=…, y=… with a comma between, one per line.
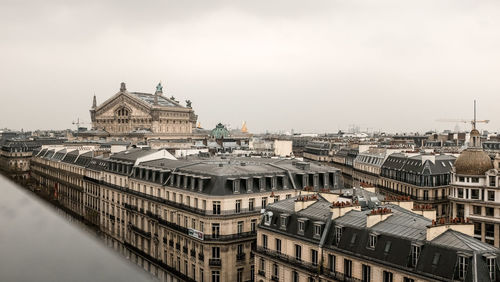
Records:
x=438, y=164
x=219, y=175
x=145, y=99
x=396, y=236
x=235, y=166
x=132, y=155
x=150, y=99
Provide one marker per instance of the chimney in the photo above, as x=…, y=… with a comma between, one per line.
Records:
x=338, y=209
x=123, y=88
x=425, y=210
x=458, y=224
x=377, y=215
x=303, y=202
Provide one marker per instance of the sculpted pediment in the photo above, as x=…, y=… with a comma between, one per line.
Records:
x=120, y=100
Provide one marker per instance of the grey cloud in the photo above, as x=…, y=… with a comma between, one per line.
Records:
x=308, y=65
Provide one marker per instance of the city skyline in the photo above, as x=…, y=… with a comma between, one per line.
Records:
x=393, y=66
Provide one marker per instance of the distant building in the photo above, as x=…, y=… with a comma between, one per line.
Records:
x=141, y=116
x=15, y=155
x=317, y=151
x=423, y=177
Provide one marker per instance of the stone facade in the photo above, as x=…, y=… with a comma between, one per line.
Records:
x=134, y=113
x=195, y=220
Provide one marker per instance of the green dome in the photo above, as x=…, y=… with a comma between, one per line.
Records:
x=220, y=131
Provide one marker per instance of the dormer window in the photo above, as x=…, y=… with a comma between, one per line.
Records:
x=415, y=254
x=302, y=226
x=236, y=186
x=267, y=218
x=491, y=263
x=463, y=263
x=372, y=242
x=283, y=220
x=338, y=234
x=317, y=229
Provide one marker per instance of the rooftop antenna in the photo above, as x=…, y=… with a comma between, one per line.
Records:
x=474, y=122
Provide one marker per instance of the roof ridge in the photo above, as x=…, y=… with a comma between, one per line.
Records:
x=463, y=238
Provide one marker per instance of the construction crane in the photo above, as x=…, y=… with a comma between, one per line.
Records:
x=473, y=122
x=78, y=123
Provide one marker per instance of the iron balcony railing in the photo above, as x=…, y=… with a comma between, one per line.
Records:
x=215, y=262
x=140, y=231
x=225, y=237
x=159, y=262
x=289, y=260
x=314, y=268
x=338, y=276
x=415, y=198
x=240, y=257
x=231, y=212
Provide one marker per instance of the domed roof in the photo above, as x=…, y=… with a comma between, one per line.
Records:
x=220, y=131
x=473, y=162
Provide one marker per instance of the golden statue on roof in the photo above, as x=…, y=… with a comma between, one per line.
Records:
x=244, y=128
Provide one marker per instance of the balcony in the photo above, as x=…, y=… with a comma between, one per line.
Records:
x=338, y=276
x=201, y=257
x=226, y=237
x=274, y=278
x=262, y=273
x=215, y=262
x=130, y=207
x=240, y=257
x=140, y=231
x=175, y=204
x=428, y=199
x=289, y=260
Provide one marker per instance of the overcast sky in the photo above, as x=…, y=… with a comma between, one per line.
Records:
x=314, y=66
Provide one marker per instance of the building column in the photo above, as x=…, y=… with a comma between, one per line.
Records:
x=483, y=231
x=497, y=235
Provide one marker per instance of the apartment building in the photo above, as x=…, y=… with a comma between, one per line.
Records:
x=424, y=177
x=193, y=218
x=316, y=237
x=475, y=190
